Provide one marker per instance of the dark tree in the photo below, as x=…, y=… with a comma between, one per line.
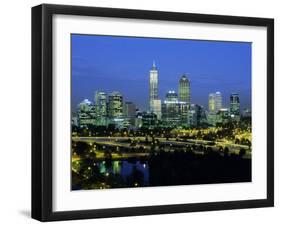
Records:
x=226, y=152
x=242, y=152
x=82, y=148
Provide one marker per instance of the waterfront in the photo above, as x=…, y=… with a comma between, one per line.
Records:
x=115, y=162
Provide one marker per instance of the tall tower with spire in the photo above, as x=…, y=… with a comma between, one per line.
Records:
x=154, y=101
x=153, y=83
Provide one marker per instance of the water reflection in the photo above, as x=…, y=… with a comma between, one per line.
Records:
x=161, y=169
x=125, y=169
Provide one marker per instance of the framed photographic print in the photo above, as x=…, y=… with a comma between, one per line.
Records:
x=145, y=112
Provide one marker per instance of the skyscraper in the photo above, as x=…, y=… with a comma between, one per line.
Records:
x=101, y=107
x=129, y=109
x=196, y=115
x=130, y=112
x=154, y=101
x=171, y=109
x=212, y=103
x=218, y=101
x=153, y=83
x=215, y=102
x=86, y=113
x=149, y=120
x=234, y=105
x=193, y=115
x=156, y=108
x=184, y=89
x=115, y=105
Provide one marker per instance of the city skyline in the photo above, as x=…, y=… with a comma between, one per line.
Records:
x=183, y=95
x=190, y=126
x=199, y=92
x=215, y=102
x=175, y=110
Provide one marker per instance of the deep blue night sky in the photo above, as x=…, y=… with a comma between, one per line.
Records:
x=108, y=63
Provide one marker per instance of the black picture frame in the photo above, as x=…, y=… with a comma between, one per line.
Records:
x=42, y=111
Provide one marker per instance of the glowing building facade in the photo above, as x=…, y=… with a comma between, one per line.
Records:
x=154, y=101
x=184, y=90
x=212, y=103
x=234, y=105
x=86, y=113
x=101, y=108
x=218, y=101
x=115, y=105
x=215, y=102
x=174, y=112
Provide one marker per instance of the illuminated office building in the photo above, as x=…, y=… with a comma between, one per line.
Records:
x=86, y=113
x=154, y=101
x=184, y=90
x=196, y=116
x=101, y=108
x=115, y=105
x=218, y=101
x=212, y=103
x=215, y=102
x=234, y=105
x=170, y=109
x=149, y=119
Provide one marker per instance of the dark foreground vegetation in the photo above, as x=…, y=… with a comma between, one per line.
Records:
x=161, y=169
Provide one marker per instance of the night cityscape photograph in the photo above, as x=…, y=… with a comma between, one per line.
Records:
x=152, y=112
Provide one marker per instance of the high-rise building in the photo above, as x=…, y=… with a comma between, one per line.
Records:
x=153, y=83
x=234, y=105
x=212, y=103
x=212, y=118
x=138, y=121
x=192, y=116
x=171, y=109
x=215, y=102
x=115, y=105
x=174, y=112
x=184, y=108
x=218, y=101
x=223, y=116
x=184, y=90
x=86, y=113
x=101, y=108
x=196, y=115
x=149, y=119
x=129, y=111
x=154, y=101
x=156, y=108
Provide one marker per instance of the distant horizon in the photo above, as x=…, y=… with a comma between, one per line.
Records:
x=115, y=63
